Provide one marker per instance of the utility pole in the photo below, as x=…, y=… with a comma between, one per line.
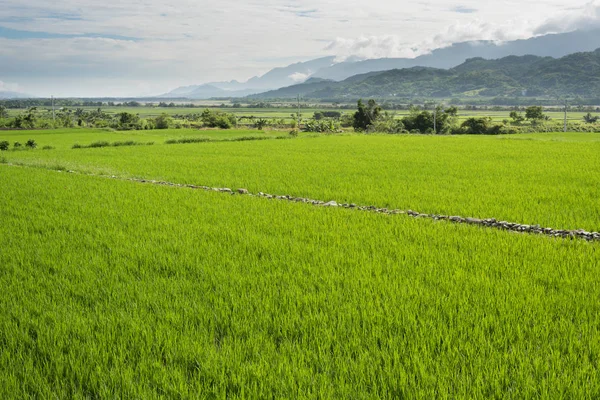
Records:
x=566, y=115
x=53, y=115
x=298, y=114
x=435, y=119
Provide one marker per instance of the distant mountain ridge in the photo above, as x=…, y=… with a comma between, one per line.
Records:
x=274, y=79
x=573, y=75
x=552, y=45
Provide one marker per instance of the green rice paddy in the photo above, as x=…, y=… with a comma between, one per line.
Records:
x=117, y=289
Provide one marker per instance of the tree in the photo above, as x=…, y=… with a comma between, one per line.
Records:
x=480, y=126
x=347, y=120
x=29, y=118
x=218, y=119
x=163, y=121
x=4, y=145
x=423, y=121
x=261, y=123
x=451, y=111
x=332, y=114
x=590, y=119
x=387, y=123
x=366, y=115
x=64, y=118
x=3, y=112
x=127, y=121
x=516, y=117
x=534, y=113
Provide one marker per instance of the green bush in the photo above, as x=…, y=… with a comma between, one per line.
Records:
x=218, y=119
x=261, y=123
x=387, y=123
x=322, y=126
x=98, y=144
x=187, y=140
x=163, y=121
x=114, y=144
x=479, y=126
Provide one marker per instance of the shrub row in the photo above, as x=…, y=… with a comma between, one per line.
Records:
x=30, y=144
x=107, y=144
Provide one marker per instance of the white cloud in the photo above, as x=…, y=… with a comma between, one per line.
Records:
x=587, y=17
x=394, y=46
x=299, y=77
x=191, y=41
x=9, y=87
x=371, y=47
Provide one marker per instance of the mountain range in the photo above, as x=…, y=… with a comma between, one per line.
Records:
x=275, y=78
x=326, y=68
x=573, y=75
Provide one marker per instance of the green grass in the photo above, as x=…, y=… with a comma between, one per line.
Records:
x=66, y=138
x=550, y=179
x=113, y=289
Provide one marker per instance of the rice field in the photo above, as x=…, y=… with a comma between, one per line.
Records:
x=116, y=289
x=545, y=179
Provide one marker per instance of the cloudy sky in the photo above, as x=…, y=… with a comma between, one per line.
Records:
x=145, y=47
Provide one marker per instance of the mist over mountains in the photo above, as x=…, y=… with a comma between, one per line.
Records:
x=313, y=72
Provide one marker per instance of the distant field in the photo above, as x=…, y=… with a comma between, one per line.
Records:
x=146, y=112
x=118, y=289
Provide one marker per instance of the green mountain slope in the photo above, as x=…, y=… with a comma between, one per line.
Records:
x=574, y=75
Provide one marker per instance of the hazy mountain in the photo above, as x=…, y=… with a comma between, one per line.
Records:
x=573, y=75
x=310, y=87
x=554, y=45
x=303, y=89
x=13, y=95
x=206, y=92
x=274, y=79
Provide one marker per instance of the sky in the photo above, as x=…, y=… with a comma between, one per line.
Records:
x=88, y=48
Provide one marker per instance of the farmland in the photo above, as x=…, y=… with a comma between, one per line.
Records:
x=549, y=179
x=113, y=288
x=273, y=113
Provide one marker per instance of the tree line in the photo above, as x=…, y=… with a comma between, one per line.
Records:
x=370, y=117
